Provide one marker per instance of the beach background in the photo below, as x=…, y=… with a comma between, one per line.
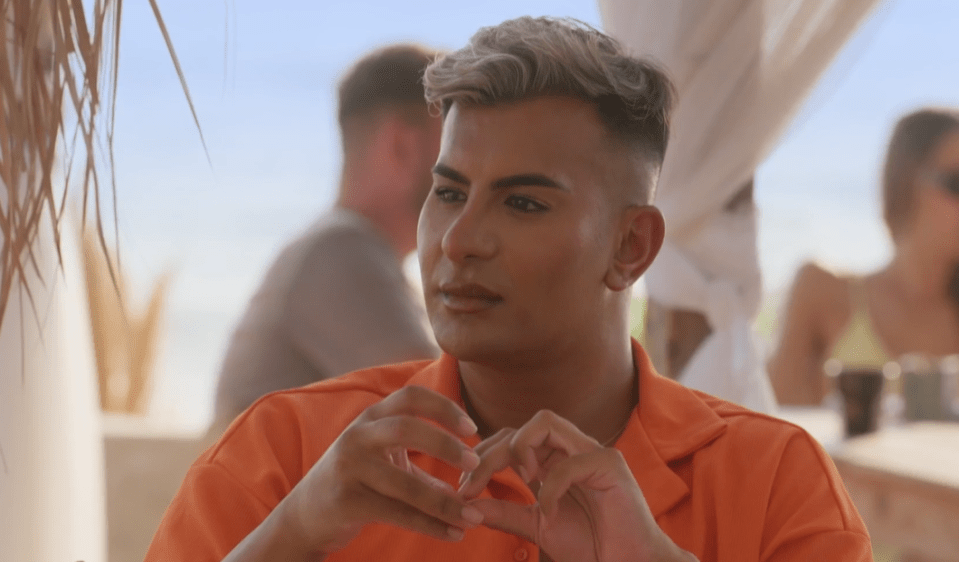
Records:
x=263, y=77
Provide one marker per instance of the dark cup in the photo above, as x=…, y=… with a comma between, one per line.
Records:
x=861, y=390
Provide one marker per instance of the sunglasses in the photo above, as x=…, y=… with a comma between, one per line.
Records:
x=948, y=181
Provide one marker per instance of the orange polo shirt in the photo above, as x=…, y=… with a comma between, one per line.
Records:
x=726, y=483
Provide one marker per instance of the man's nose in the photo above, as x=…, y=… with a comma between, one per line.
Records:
x=470, y=235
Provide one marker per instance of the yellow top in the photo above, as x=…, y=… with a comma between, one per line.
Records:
x=858, y=345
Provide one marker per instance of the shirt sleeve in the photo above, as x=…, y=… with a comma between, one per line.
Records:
x=236, y=483
x=810, y=515
x=350, y=307
x=209, y=516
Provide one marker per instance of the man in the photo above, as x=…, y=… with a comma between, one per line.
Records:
x=336, y=299
x=542, y=432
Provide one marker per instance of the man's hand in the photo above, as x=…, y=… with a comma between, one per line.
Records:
x=590, y=506
x=366, y=476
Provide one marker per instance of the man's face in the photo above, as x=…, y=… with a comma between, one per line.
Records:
x=517, y=236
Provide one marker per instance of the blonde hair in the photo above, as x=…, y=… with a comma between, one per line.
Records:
x=530, y=57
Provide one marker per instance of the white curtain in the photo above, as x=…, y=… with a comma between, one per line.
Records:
x=742, y=69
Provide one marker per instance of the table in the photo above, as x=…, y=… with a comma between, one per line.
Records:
x=905, y=484
x=904, y=480
x=145, y=461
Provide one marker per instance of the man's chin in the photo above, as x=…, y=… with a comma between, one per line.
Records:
x=498, y=353
x=474, y=349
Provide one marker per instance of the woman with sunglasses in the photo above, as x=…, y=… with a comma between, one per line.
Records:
x=910, y=305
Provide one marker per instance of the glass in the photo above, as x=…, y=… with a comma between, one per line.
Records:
x=929, y=387
x=861, y=389
x=949, y=367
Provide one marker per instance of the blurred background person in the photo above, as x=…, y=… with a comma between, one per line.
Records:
x=908, y=306
x=336, y=299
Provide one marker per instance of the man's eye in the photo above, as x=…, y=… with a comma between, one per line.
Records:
x=525, y=204
x=448, y=195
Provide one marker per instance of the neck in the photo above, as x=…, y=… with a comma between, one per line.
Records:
x=377, y=205
x=595, y=389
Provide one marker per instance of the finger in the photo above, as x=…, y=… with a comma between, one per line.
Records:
x=546, y=458
x=495, y=457
x=481, y=450
x=492, y=440
x=420, y=494
x=433, y=481
x=389, y=510
x=407, y=432
x=400, y=458
x=423, y=403
x=549, y=430
x=600, y=470
x=513, y=518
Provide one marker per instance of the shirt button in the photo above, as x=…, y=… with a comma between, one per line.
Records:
x=521, y=554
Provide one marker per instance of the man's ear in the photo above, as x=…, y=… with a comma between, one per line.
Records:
x=409, y=154
x=384, y=151
x=401, y=138
x=640, y=237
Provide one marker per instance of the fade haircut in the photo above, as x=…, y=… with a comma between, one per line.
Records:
x=915, y=138
x=389, y=78
x=530, y=57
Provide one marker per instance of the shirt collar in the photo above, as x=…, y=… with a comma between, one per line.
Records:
x=670, y=422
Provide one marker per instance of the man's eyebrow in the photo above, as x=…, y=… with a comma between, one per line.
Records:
x=527, y=180
x=450, y=174
x=516, y=180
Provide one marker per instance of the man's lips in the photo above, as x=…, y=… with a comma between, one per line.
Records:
x=468, y=297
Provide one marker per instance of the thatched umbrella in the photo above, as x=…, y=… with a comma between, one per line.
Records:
x=58, y=70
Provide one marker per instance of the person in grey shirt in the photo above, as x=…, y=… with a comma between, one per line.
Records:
x=336, y=299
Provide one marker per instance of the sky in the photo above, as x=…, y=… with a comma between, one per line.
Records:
x=262, y=76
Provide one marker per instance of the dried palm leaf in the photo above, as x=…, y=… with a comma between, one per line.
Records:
x=125, y=338
x=58, y=68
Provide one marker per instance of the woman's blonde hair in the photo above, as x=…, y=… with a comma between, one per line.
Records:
x=529, y=57
x=915, y=138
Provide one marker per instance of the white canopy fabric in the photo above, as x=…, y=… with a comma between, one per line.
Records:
x=742, y=69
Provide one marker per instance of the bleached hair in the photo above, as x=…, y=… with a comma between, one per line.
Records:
x=530, y=57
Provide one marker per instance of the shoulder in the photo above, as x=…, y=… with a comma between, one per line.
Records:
x=338, y=233
x=340, y=246
x=783, y=462
x=817, y=291
x=308, y=419
x=332, y=238
x=269, y=448
x=763, y=439
x=333, y=255
x=744, y=424
x=357, y=389
x=812, y=279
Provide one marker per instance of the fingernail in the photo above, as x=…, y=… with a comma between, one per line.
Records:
x=470, y=459
x=472, y=515
x=467, y=426
x=454, y=533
